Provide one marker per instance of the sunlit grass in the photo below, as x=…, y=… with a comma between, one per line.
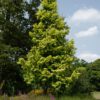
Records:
x=96, y=95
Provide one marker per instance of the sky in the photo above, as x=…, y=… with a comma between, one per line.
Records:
x=83, y=18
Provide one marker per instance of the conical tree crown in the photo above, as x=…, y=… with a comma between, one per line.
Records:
x=49, y=5
x=48, y=64
x=51, y=28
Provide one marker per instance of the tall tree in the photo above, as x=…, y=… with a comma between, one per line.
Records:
x=16, y=19
x=48, y=63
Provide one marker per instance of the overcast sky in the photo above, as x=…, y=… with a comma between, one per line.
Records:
x=83, y=17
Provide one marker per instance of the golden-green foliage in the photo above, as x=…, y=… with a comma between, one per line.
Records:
x=47, y=66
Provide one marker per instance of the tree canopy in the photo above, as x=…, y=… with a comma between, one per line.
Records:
x=48, y=64
x=16, y=19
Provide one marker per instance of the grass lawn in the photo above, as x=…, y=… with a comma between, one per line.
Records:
x=95, y=96
x=76, y=98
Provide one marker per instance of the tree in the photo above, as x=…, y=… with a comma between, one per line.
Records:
x=79, y=62
x=94, y=74
x=48, y=63
x=16, y=19
x=82, y=84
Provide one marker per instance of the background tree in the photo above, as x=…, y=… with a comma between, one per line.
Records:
x=79, y=62
x=49, y=62
x=16, y=19
x=82, y=85
x=94, y=74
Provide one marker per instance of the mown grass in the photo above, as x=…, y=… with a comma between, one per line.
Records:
x=32, y=97
x=76, y=98
x=25, y=97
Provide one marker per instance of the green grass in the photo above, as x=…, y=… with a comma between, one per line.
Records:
x=76, y=98
x=95, y=95
x=25, y=97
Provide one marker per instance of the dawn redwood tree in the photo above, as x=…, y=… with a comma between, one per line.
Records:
x=47, y=66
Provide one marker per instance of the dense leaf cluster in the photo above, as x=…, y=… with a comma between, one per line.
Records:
x=16, y=19
x=48, y=65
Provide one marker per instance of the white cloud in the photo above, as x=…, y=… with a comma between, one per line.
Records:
x=89, y=57
x=90, y=32
x=85, y=14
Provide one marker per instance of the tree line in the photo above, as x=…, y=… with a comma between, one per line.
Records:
x=34, y=53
